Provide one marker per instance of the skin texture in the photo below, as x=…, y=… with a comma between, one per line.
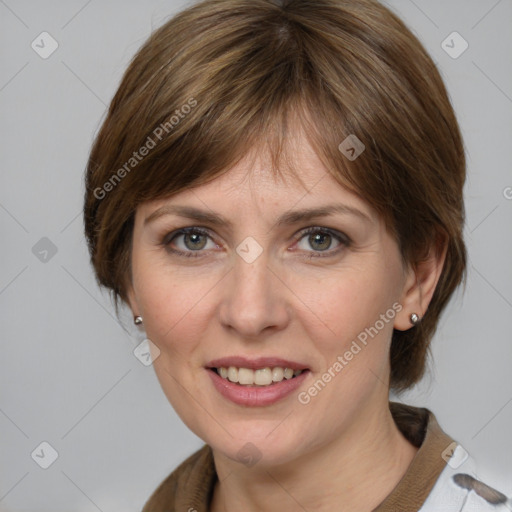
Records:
x=342, y=450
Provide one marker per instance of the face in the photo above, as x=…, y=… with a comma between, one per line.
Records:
x=266, y=288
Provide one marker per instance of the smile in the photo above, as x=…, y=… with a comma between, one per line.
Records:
x=259, y=377
x=256, y=381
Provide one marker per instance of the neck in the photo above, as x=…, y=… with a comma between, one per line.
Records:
x=354, y=472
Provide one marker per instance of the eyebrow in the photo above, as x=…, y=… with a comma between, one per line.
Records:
x=288, y=218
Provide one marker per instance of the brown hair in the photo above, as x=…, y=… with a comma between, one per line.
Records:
x=224, y=76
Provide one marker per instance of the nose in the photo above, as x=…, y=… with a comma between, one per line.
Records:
x=254, y=299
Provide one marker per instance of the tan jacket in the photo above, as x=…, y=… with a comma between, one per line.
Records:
x=440, y=478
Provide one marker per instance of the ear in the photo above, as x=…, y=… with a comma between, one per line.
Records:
x=132, y=301
x=420, y=283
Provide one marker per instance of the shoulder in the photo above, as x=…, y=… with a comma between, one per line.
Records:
x=460, y=488
x=190, y=481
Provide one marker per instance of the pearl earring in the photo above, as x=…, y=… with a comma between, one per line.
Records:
x=414, y=319
x=137, y=320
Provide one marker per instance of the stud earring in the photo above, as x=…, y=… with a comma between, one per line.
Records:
x=137, y=320
x=414, y=319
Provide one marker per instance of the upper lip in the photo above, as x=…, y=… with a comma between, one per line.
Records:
x=260, y=362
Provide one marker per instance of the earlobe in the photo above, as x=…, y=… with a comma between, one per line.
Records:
x=132, y=301
x=420, y=284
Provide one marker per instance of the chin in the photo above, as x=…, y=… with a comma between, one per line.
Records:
x=258, y=446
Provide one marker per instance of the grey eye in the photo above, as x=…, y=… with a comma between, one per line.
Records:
x=194, y=241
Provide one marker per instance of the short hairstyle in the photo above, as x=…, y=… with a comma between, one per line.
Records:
x=223, y=77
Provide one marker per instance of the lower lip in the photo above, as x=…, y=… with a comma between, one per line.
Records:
x=256, y=396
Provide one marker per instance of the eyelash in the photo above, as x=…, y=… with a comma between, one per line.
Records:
x=340, y=237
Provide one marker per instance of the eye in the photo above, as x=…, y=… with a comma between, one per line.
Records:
x=321, y=240
x=192, y=239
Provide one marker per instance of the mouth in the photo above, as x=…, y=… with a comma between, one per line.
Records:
x=253, y=385
x=256, y=382
x=258, y=372
x=256, y=377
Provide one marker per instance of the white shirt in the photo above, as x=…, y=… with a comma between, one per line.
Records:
x=459, y=488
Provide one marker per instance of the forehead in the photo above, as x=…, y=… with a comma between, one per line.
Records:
x=300, y=180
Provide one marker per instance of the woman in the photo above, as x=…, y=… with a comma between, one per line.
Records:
x=276, y=193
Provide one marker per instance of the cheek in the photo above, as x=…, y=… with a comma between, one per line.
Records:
x=347, y=303
x=173, y=305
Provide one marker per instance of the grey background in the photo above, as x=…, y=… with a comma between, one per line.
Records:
x=67, y=372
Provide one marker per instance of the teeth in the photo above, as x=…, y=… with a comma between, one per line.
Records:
x=261, y=377
x=233, y=374
x=277, y=374
x=288, y=373
x=245, y=376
